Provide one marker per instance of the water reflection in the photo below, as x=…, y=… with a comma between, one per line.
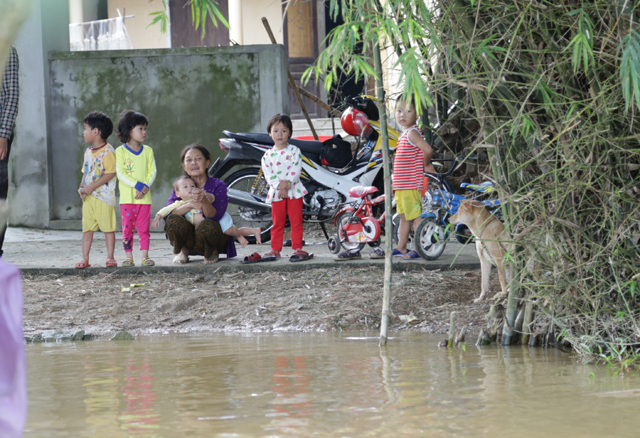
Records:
x=219, y=385
x=292, y=404
x=119, y=399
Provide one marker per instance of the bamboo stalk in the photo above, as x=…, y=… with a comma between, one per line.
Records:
x=528, y=317
x=386, y=164
x=507, y=331
x=452, y=329
x=292, y=83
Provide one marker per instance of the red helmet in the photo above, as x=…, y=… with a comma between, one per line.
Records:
x=355, y=122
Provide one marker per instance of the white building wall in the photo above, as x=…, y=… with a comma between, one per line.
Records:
x=142, y=37
x=253, y=31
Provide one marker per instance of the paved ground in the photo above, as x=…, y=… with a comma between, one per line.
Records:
x=51, y=251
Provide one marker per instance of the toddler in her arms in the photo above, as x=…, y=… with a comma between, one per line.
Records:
x=185, y=188
x=97, y=188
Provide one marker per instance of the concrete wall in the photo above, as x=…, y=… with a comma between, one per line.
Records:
x=46, y=29
x=189, y=95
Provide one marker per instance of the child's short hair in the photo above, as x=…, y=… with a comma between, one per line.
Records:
x=176, y=181
x=280, y=118
x=408, y=98
x=101, y=121
x=129, y=119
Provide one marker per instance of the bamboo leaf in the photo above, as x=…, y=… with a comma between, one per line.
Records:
x=195, y=14
x=629, y=69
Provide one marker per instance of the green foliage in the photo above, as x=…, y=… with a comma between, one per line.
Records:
x=582, y=42
x=551, y=89
x=630, y=68
x=160, y=16
x=366, y=22
x=200, y=11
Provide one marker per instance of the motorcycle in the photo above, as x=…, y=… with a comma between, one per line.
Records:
x=327, y=182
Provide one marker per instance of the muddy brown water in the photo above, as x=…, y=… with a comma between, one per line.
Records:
x=320, y=384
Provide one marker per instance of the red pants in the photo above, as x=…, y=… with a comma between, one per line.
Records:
x=279, y=210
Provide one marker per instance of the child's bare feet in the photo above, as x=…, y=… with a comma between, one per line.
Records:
x=256, y=232
x=242, y=241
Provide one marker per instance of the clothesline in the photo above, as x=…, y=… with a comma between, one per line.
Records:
x=109, y=34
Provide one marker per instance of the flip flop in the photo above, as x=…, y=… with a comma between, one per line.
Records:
x=83, y=264
x=376, y=253
x=347, y=255
x=111, y=263
x=411, y=255
x=397, y=253
x=253, y=258
x=301, y=256
x=271, y=256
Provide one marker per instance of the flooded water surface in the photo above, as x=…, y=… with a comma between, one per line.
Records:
x=333, y=385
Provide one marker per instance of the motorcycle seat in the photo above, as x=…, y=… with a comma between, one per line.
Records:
x=306, y=146
x=361, y=191
x=250, y=137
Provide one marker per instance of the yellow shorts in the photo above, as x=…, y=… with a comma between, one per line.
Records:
x=408, y=203
x=98, y=215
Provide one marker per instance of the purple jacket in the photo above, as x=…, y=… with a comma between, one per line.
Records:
x=219, y=189
x=13, y=371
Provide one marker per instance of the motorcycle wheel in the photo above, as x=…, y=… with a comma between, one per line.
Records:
x=244, y=216
x=431, y=240
x=349, y=246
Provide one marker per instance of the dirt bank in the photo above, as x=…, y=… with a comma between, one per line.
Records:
x=314, y=300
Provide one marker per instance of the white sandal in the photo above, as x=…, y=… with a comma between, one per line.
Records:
x=181, y=259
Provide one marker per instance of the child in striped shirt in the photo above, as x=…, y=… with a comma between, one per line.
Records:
x=136, y=169
x=409, y=164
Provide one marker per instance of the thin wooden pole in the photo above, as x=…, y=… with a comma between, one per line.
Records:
x=452, y=329
x=316, y=99
x=292, y=83
x=386, y=164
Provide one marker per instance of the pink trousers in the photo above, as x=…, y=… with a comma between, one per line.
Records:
x=135, y=216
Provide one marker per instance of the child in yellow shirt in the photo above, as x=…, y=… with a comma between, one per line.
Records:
x=136, y=168
x=97, y=188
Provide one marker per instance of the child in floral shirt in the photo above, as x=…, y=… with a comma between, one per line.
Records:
x=282, y=166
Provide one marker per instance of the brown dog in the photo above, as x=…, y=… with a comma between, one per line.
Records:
x=492, y=242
